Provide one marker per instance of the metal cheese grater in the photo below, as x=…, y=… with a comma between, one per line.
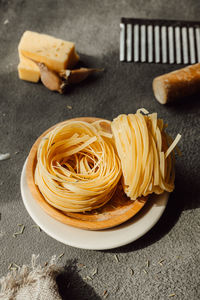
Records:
x=159, y=41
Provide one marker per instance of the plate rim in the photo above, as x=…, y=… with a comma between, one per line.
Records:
x=110, y=244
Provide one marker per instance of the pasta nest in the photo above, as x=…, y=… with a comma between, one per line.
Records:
x=146, y=153
x=78, y=167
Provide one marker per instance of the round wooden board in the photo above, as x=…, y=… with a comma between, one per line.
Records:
x=118, y=210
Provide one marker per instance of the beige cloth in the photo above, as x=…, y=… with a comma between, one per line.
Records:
x=31, y=283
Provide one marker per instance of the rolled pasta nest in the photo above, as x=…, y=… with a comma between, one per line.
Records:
x=78, y=168
x=146, y=153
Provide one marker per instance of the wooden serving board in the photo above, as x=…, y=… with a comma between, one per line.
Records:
x=116, y=211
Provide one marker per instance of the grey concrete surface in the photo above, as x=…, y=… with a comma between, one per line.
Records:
x=26, y=110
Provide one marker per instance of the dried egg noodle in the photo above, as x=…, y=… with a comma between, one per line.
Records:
x=142, y=145
x=77, y=166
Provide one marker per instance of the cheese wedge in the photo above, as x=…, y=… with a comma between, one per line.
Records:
x=28, y=70
x=57, y=54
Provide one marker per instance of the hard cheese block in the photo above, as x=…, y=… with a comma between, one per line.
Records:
x=28, y=70
x=57, y=54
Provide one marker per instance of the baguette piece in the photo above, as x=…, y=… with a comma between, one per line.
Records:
x=177, y=84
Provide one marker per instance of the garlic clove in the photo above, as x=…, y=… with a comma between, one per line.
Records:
x=49, y=78
x=78, y=75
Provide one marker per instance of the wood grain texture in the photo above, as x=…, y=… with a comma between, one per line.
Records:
x=118, y=210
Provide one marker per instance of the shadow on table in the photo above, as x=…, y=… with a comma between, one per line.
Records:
x=71, y=285
x=185, y=196
x=88, y=83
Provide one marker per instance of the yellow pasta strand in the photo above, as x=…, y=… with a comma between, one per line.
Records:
x=77, y=166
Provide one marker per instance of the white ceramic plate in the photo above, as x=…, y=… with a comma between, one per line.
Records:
x=95, y=240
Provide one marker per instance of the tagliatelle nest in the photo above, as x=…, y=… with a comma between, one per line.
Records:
x=77, y=166
x=147, y=159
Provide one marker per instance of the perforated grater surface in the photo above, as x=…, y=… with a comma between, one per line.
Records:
x=159, y=41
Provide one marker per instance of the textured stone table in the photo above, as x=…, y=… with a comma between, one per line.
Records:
x=26, y=110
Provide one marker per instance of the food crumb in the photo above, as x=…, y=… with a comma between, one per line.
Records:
x=6, y=22
x=37, y=227
x=132, y=272
x=105, y=294
x=161, y=262
x=172, y=295
x=4, y=156
x=69, y=107
x=61, y=255
x=13, y=266
x=81, y=265
x=19, y=232
x=94, y=272
x=87, y=278
x=116, y=258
